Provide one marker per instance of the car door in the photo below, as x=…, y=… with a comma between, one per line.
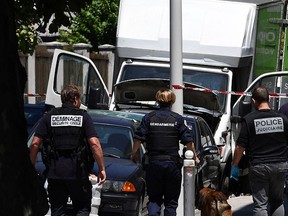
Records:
x=209, y=155
x=277, y=85
x=71, y=68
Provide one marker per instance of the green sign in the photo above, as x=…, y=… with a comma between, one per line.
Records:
x=268, y=40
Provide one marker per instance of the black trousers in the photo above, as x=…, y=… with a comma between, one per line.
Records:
x=163, y=180
x=80, y=192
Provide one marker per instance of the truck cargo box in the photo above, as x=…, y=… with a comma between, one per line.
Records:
x=215, y=32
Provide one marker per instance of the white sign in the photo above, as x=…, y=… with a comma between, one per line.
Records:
x=66, y=120
x=269, y=125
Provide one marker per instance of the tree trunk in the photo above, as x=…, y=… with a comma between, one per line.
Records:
x=18, y=188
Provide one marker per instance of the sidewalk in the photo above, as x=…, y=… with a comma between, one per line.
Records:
x=243, y=206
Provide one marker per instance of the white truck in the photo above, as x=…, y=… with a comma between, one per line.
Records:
x=226, y=45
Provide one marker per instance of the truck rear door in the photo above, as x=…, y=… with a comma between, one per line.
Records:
x=71, y=68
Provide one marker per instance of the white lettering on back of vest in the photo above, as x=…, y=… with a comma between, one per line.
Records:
x=66, y=120
x=157, y=124
x=269, y=125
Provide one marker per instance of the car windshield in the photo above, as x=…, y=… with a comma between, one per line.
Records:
x=115, y=140
x=210, y=80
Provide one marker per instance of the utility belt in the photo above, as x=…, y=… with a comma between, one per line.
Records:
x=153, y=158
x=66, y=153
x=163, y=158
x=78, y=157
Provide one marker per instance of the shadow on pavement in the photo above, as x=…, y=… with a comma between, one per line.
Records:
x=243, y=206
x=244, y=211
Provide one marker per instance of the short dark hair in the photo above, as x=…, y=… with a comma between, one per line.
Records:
x=69, y=93
x=260, y=94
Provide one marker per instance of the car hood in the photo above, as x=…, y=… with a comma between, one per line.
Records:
x=144, y=90
x=118, y=168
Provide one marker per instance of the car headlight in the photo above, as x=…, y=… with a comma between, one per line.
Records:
x=118, y=186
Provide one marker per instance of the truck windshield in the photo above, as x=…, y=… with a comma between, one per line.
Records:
x=211, y=80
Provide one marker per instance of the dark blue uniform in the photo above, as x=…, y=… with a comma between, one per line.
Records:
x=162, y=130
x=67, y=126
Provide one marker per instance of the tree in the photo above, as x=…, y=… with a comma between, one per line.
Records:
x=90, y=21
x=96, y=24
x=26, y=15
x=18, y=182
x=34, y=16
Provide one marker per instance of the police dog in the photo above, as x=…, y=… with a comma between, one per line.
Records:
x=213, y=203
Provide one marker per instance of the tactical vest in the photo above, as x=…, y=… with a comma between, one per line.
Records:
x=66, y=128
x=163, y=134
x=66, y=145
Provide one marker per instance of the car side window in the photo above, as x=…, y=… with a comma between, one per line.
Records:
x=206, y=139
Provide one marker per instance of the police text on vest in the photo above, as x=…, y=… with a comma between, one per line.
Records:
x=269, y=125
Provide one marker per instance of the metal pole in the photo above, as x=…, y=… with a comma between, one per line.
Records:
x=189, y=184
x=176, y=67
x=176, y=52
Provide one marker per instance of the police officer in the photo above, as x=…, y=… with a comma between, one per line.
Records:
x=264, y=137
x=65, y=132
x=162, y=130
x=284, y=110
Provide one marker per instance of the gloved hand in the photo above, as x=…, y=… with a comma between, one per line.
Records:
x=235, y=172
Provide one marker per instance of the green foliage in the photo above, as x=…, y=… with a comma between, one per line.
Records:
x=27, y=38
x=88, y=21
x=96, y=24
x=33, y=16
x=25, y=16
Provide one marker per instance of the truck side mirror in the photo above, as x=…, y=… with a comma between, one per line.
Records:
x=245, y=107
x=94, y=99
